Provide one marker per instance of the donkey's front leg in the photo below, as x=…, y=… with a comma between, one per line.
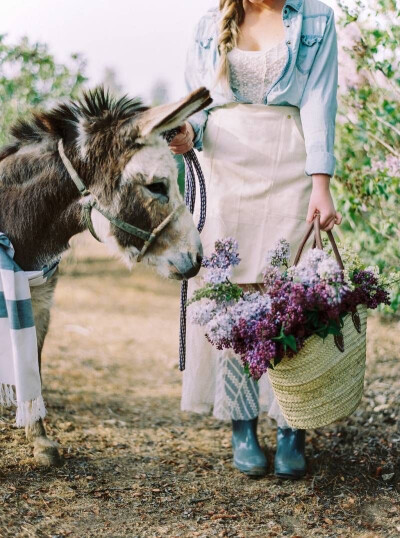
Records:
x=45, y=451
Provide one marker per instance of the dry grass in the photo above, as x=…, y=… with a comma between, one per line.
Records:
x=136, y=466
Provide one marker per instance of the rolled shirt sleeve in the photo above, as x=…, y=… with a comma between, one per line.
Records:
x=198, y=122
x=318, y=105
x=193, y=81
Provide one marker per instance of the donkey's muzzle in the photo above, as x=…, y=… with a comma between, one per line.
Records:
x=186, y=265
x=195, y=268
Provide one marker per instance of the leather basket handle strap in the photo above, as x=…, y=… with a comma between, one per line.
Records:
x=335, y=250
x=303, y=242
x=316, y=227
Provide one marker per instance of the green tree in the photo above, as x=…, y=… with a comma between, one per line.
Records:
x=368, y=138
x=30, y=77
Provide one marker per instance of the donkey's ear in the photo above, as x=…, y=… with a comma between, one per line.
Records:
x=161, y=118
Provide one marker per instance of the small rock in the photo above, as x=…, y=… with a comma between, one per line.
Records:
x=387, y=477
x=66, y=426
x=381, y=398
x=381, y=407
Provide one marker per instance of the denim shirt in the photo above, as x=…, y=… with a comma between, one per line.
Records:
x=308, y=80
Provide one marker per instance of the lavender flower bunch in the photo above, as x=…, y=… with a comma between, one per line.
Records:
x=295, y=303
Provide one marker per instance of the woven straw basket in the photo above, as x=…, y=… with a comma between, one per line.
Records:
x=322, y=383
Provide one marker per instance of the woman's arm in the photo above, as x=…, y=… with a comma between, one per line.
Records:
x=321, y=202
x=318, y=108
x=192, y=132
x=318, y=105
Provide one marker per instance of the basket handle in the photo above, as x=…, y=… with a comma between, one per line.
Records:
x=316, y=227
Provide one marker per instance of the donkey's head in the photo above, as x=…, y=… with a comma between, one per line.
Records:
x=134, y=178
x=116, y=148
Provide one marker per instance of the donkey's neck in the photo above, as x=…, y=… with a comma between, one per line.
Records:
x=41, y=215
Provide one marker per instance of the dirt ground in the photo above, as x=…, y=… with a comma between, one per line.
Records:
x=135, y=465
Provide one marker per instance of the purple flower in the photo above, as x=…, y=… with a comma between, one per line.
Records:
x=299, y=302
x=225, y=255
x=271, y=274
x=279, y=255
x=216, y=275
x=202, y=312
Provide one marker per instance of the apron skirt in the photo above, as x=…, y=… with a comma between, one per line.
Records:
x=253, y=161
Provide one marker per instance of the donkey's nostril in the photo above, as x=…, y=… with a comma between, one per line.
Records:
x=193, y=268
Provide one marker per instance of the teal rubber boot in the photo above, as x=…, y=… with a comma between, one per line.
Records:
x=290, y=461
x=248, y=457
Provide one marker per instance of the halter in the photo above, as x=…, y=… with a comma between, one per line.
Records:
x=148, y=237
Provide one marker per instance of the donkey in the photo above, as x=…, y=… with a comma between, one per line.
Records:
x=98, y=163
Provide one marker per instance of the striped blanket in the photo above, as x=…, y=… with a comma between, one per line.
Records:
x=19, y=368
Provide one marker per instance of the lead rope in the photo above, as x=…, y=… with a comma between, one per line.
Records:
x=192, y=168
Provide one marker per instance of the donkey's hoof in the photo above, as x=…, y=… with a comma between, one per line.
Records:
x=46, y=452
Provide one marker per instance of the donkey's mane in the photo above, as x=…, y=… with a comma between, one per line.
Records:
x=97, y=109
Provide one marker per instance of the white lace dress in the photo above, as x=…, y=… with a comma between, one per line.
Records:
x=235, y=396
x=253, y=72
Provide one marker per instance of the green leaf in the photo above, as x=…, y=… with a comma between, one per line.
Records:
x=290, y=341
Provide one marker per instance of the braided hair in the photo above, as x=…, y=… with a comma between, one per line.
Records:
x=232, y=16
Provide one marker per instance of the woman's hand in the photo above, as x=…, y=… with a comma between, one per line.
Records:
x=183, y=141
x=321, y=202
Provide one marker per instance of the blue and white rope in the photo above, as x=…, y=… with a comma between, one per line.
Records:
x=192, y=169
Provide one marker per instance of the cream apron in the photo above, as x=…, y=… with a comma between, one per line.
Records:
x=253, y=161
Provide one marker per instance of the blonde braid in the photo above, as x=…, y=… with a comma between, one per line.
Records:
x=232, y=12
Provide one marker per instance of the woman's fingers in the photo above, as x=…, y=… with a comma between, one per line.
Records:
x=332, y=221
x=180, y=139
x=335, y=220
x=311, y=213
x=182, y=148
x=185, y=135
x=328, y=226
x=182, y=142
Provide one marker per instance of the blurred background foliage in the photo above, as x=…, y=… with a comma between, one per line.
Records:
x=367, y=183
x=30, y=77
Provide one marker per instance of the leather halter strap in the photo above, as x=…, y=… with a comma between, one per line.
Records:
x=147, y=237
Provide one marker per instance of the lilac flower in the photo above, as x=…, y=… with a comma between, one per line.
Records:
x=219, y=329
x=252, y=306
x=259, y=358
x=279, y=255
x=221, y=261
x=300, y=301
x=202, y=312
x=270, y=275
x=306, y=271
x=225, y=255
x=216, y=275
x=329, y=270
x=221, y=320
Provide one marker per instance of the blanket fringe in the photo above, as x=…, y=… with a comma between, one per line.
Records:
x=7, y=395
x=30, y=412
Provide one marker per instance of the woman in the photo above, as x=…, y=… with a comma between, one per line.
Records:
x=267, y=170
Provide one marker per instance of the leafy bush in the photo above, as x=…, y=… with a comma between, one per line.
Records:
x=30, y=77
x=367, y=183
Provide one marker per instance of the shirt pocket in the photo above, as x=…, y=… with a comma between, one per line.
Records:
x=205, y=43
x=203, y=57
x=308, y=48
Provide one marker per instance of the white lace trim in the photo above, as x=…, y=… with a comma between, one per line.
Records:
x=253, y=72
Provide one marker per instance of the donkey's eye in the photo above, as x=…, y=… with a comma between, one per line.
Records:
x=158, y=188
